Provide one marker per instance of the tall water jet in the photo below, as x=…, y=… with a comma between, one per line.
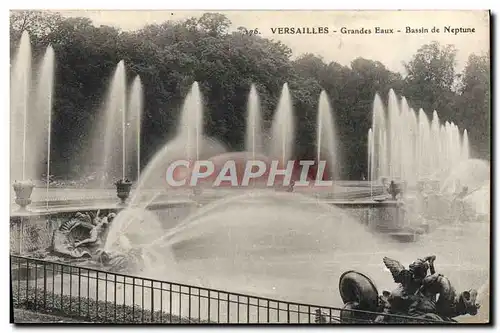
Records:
x=133, y=130
x=406, y=157
x=370, y=160
x=414, y=138
x=370, y=154
x=444, y=165
x=455, y=141
x=19, y=96
x=394, y=135
x=326, y=134
x=423, y=144
x=410, y=146
x=379, y=164
x=191, y=125
x=43, y=111
x=253, y=138
x=188, y=144
x=465, y=146
x=282, y=130
x=113, y=156
x=436, y=146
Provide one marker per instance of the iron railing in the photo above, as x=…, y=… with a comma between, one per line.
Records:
x=97, y=296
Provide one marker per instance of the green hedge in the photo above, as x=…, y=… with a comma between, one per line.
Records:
x=86, y=309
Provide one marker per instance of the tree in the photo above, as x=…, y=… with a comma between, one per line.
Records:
x=37, y=22
x=170, y=56
x=434, y=65
x=215, y=24
x=431, y=79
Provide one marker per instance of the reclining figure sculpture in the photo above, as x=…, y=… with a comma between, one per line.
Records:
x=81, y=236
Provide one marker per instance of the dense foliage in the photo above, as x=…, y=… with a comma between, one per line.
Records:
x=170, y=56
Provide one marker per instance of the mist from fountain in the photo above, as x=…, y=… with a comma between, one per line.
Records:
x=326, y=135
x=379, y=149
x=394, y=135
x=108, y=150
x=133, y=129
x=283, y=129
x=191, y=124
x=370, y=158
x=260, y=240
x=115, y=152
x=43, y=106
x=189, y=143
x=254, y=135
x=19, y=108
x=465, y=146
x=31, y=112
x=406, y=145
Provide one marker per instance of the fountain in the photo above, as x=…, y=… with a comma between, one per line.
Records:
x=119, y=133
x=133, y=128
x=260, y=240
x=20, y=104
x=189, y=143
x=191, y=125
x=31, y=116
x=112, y=151
x=269, y=243
x=370, y=153
x=44, y=91
x=407, y=146
x=253, y=138
x=326, y=135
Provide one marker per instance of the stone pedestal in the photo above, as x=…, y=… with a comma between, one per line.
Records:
x=30, y=233
x=435, y=206
x=16, y=235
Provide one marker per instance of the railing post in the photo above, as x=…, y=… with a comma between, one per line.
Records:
x=44, y=286
x=79, y=290
x=114, y=296
x=152, y=302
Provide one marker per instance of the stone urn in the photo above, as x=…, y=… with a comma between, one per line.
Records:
x=123, y=187
x=23, y=190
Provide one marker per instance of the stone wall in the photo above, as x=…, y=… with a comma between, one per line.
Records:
x=34, y=232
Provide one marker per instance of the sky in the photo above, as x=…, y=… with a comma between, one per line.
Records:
x=390, y=49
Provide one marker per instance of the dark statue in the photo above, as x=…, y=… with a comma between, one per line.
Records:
x=422, y=295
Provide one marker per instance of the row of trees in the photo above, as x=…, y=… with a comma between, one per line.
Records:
x=170, y=56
